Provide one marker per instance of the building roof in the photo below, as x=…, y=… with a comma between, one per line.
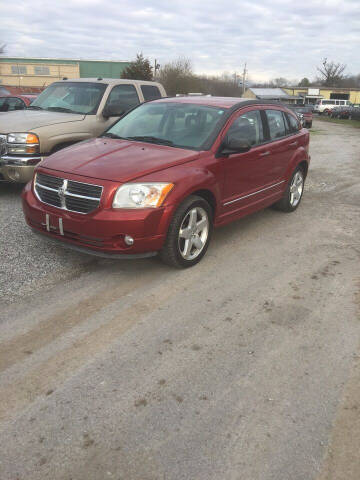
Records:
x=48, y=59
x=272, y=94
x=275, y=92
x=322, y=87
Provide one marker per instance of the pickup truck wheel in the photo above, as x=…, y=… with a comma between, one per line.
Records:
x=189, y=233
x=293, y=193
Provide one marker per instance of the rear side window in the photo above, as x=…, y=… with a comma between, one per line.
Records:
x=248, y=127
x=124, y=97
x=294, y=124
x=3, y=105
x=16, y=104
x=150, y=92
x=276, y=124
x=11, y=103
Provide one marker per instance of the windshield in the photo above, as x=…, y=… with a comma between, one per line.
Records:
x=175, y=124
x=70, y=97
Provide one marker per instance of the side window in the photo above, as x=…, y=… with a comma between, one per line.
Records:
x=150, y=92
x=124, y=97
x=276, y=124
x=294, y=124
x=15, y=104
x=248, y=127
x=3, y=105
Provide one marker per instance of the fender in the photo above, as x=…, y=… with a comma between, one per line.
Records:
x=300, y=155
x=189, y=181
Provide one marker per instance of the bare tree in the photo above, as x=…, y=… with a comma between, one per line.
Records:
x=332, y=73
x=178, y=77
x=279, y=82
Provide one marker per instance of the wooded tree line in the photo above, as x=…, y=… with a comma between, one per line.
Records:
x=178, y=77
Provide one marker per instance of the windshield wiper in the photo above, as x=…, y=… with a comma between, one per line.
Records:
x=111, y=135
x=34, y=107
x=61, y=109
x=150, y=139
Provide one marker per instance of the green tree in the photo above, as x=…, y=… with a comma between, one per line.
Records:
x=140, y=69
x=305, y=82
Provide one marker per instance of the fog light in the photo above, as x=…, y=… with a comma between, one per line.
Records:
x=129, y=240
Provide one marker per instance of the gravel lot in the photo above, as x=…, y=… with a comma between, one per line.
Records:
x=246, y=367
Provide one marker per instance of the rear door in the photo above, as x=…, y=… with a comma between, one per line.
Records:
x=282, y=144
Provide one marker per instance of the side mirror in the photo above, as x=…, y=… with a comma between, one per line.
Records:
x=112, y=111
x=235, y=145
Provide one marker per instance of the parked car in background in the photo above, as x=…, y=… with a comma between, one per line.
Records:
x=304, y=112
x=66, y=112
x=8, y=103
x=324, y=105
x=166, y=173
x=354, y=113
x=4, y=91
x=340, y=112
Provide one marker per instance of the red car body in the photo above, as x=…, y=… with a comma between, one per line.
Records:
x=234, y=185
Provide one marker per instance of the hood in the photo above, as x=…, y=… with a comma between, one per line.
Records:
x=29, y=120
x=116, y=160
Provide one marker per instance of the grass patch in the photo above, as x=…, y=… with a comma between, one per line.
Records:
x=315, y=131
x=341, y=121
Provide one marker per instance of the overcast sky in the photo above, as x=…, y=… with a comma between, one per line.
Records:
x=275, y=37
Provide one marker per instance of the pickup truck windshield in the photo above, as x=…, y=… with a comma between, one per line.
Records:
x=70, y=97
x=174, y=124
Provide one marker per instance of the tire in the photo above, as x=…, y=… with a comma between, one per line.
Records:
x=287, y=203
x=182, y=247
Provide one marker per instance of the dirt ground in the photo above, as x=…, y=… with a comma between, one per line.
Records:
x=244, y=367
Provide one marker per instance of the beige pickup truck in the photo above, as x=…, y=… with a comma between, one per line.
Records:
x=66, y=112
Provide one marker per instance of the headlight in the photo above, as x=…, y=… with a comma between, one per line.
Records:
x=28, y=138
x=141, y=195
x=23, y=143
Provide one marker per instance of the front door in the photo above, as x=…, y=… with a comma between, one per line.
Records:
x=247, y=175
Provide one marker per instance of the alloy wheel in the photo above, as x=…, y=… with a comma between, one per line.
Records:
x=193, y=233
x=296, y=188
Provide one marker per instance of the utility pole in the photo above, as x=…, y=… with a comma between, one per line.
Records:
x=244, y=79
x=156, y=68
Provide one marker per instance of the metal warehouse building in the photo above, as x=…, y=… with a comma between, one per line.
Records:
x=33, y=73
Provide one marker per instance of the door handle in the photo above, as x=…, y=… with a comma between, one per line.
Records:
x=264, y=153
x=293, y=144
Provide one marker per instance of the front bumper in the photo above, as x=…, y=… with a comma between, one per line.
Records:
x=101, y=232
x=18, y=169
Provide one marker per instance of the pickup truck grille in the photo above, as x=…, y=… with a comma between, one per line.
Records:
x=67, y=194
x=2, y=144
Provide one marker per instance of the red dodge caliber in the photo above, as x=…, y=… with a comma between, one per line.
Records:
x=165, y=174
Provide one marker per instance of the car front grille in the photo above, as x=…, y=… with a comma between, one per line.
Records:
x=3, y=147
x=67, y=194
